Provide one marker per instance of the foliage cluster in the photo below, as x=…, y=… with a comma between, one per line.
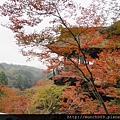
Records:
x=10, y=102
x=46, y=99
x=3, y=78
x=80, y=100
x=39, y=99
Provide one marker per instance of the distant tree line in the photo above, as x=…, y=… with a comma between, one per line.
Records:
x=19, y=76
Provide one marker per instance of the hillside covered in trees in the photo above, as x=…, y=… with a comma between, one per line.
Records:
x=21, y=77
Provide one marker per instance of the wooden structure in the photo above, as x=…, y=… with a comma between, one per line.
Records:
x=67, y=47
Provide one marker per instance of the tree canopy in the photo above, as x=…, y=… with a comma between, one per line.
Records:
x=3, y=78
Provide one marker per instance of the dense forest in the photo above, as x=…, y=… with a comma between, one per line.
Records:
x=20, y=76
x=25, y=89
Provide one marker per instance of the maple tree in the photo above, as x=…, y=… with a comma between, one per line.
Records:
x=41, y=83
x=10, y=102
x=71, y=47
x=45, y=99
x=77, y=99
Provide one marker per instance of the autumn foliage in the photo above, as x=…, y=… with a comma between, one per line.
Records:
x=10, y=102
x=77, y=99
x=40, y=83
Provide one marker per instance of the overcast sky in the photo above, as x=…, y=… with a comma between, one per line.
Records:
x=9, y=51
